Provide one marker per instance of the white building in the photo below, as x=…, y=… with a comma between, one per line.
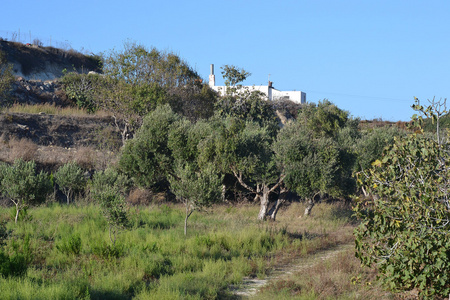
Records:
x=271, y=92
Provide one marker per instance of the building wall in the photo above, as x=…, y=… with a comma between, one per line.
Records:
x=295, y=96
x=268, y=90
x=271, y=93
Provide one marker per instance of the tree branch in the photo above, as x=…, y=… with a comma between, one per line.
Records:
x=239, y=178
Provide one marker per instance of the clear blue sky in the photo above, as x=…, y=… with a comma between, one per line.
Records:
x=368, y=57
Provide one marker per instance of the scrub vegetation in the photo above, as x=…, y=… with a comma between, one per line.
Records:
x=68, y=253
x=143, y=183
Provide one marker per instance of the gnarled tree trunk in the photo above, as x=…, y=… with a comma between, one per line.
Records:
x=310, y=204
x=281, y=199
x=264, y=196
x=262, y=192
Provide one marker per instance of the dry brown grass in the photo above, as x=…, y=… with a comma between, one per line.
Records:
x=12, y=149
x=52, y=157
x=324, y=261
x=332, y=223
x=52, y=109
x=85, y=157
x=47, y=108
x=139, y=196
x=338, y=277
x=327, y=267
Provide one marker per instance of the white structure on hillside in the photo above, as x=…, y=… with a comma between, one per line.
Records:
x=271, y=92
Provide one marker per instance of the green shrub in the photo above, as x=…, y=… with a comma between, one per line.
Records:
x=70, y=244
x=80, y=88
x=15, y=265
x=22, y=185
x=109, y=178
x=70, y=179
x=108, y=251
x=113, y=208
x=158, y=266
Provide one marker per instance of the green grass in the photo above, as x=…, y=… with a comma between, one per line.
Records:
x=71, y=256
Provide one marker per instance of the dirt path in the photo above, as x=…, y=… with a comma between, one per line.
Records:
x=251, y=286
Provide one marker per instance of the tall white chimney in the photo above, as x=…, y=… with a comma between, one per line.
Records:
x=212, y=77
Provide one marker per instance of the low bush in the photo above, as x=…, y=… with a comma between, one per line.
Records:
x=81, y=89
x=22, y=186
x=106, y=251
x=70, y=179
x=157, y=266
x=16, y=257
x=15, y=265
x=22, y=149
x=69, y=244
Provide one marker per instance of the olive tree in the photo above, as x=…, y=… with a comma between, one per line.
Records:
x=22, y=185
x=315, y=152
x=108, y=188
x=195, y=188
x=244, y=150
x=113, y=207
x=70, y=178
x=111, y=178
x=310, y=165
x=166, y=149
x=147, y=159
x=244, y=130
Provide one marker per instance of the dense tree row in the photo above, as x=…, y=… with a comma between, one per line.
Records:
x=193, y=142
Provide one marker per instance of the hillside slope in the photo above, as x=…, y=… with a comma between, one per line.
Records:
x=34, y=62
x=63, y=131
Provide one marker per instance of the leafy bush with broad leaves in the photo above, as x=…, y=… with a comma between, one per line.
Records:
x=372, y=142
x=81, y=89
x=405, y=228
